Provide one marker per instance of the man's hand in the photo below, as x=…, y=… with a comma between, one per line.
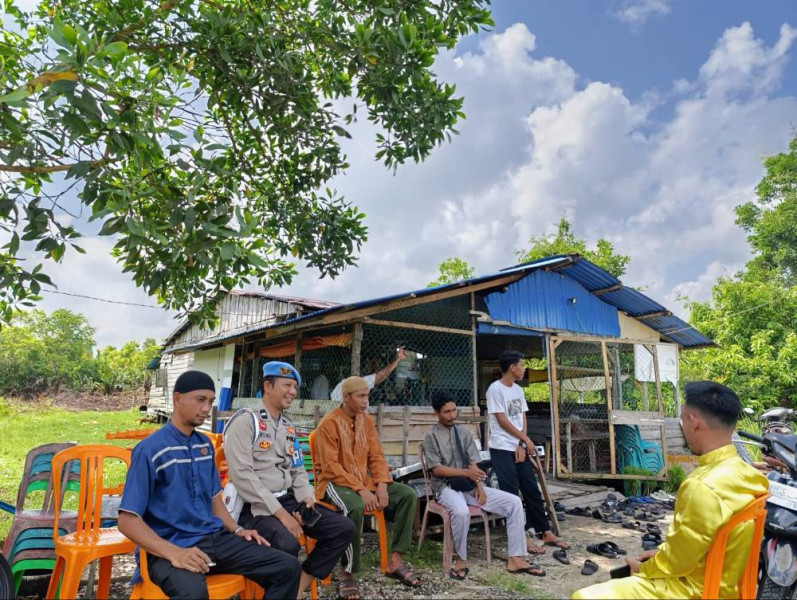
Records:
x=520, y=454
x=401, y=354
x=647, y=555
x=370, y=502
x=475, y=474
x=381, y=495
x=190, y=559
x=251, y=535
x=480, y=495
x=291, y=523
x=532, y=449
x=634, y=564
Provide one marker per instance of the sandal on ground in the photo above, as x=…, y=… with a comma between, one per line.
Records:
x=405, y=575
x=613, y=518
x=561, y=556
x=530, y=570
x=348, y=589
x=589, y=567
x=459, y=574
x=616, y=548
x=602, y=550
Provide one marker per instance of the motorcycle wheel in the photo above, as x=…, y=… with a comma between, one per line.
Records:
x=770, y=590
x=6, y=579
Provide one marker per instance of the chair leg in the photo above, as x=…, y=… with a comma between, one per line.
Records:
x=104, y=582
x=70, y=579
x=314, y=590
x=423, y=528
x=380, y=519
x=448, y=545
x=55, y=577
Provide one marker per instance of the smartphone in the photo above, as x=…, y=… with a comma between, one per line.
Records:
x=620, y=572
x=309, y=516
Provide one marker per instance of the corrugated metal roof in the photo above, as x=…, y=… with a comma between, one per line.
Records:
x=553, y=301
x=588, y=275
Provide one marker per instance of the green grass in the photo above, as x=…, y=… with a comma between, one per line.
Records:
x=25, y=427
x=514, y=583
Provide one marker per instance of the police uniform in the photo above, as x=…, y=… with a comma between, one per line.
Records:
x=170, y=485
x=266, y=466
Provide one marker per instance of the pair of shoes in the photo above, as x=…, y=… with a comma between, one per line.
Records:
x=612, y=518
x=579, y=511
x=607, y=549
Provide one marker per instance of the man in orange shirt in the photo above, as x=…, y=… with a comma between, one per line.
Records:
x=353, y=475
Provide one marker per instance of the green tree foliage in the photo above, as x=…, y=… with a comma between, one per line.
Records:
x=771, y=220
x=41, y=352
x=125, y=368
x=565, y=242
x=451, y=270
x=752, y=316
x=201, y=133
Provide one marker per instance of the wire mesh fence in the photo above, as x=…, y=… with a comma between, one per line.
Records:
x=609, y=416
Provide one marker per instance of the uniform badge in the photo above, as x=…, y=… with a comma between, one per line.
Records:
x=265, y=445
x=204, y=451
x=290, y=429
x=262, y=426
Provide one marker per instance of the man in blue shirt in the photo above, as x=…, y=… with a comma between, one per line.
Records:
x=172, y=508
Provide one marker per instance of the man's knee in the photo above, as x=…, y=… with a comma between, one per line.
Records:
x=284, y=540
x=355, y=507
x=459, y=513
x=180, y=583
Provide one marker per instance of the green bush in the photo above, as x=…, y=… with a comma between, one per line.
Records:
x=638, y=487
x=675, y=477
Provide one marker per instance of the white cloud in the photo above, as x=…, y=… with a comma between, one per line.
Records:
x=637, y=12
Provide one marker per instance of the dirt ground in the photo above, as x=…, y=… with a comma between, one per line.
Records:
x=81, y=401
x=484, y=581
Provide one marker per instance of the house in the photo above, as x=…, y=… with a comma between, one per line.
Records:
x=603, y=360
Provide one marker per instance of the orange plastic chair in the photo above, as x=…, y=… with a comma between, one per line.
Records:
x=221, y=467
x=436, y=508
x=215, y=438
x=379, y=515
x=89, y=542
x=130, y=434
x=755, y=511
x=219, y=586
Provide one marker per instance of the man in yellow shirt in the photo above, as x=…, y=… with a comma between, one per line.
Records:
x=721, y=486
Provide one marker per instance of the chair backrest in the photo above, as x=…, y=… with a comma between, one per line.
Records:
x=92, y=462
x=756, y=511
x=221, y=467
x=311, y=445
x=38, y=475
x=426, y=484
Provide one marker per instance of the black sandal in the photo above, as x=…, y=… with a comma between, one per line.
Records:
x=459, y=574
x=406, y=576
x=348, y=588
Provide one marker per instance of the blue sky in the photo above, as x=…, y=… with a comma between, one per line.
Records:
x=644, y=121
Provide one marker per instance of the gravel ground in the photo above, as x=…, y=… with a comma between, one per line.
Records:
x=484, y=581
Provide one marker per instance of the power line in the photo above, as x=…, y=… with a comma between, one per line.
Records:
x=103, y=299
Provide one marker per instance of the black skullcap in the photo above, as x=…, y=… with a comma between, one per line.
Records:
x=191, y=381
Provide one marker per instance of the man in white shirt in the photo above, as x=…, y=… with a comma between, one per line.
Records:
x=374, y=379
x=509, y=445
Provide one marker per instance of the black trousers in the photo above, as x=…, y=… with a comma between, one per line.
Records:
x=514, y=476
x=274, y=570
x=333, y=534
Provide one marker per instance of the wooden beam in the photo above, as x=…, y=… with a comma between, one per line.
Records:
x=553, y=386
x=405, y=434
x=356, y=348
x=474, y=360
x=384, y=323
x=606, y=290
x=650, y=315
x=412, y=300
x=609, y=409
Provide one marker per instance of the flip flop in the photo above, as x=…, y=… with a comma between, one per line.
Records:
x=559, y=507
x=616, y=548
x=578, y=511
x=406, y=576
x=589, y=567
x=459, y=574
x=602, y=550
x=652, y=537
x=613, y=518
x=632, y=525
x=648, y=545
x=560, y=516
x=561, y=556
x=347, y=587
x=652, y=528
x=531, y=570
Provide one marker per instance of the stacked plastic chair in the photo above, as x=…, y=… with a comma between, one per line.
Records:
x=29, y=545
x=634, y=451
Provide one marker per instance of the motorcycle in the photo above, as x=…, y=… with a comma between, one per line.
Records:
x=777, y=571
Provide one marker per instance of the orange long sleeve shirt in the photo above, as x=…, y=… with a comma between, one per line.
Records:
x=348, y=453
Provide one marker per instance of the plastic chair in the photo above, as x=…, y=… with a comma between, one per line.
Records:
x=130, y=434
x=90, y=541
x=219, y=586
x=379, y=515
x=756, y=511
x=434, y=507
x=221, y=466
x=38, y=476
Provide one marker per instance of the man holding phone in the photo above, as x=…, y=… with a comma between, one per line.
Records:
x=265, y=465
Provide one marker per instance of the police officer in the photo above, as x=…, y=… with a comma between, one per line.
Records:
x=265, y=465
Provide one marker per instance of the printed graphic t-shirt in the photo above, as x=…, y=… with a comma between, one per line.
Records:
x=511, y=402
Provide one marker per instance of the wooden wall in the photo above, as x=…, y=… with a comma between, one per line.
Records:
x=160, y=398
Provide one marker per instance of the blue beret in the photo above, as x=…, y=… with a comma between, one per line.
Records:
x=276, y=368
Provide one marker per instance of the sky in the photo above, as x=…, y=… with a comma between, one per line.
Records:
x=645, y=122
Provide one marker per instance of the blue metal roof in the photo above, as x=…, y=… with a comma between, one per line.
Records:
x=553, y=301
x=588, y=275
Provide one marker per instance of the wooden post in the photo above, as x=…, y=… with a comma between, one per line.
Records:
x=316, y=414
x=553, y=386
x=297, y=363
x=406, y=435
x=617, y=390
x=379, y=417
x=645, y=402
x=356, y=348
x=255, y=374
x=655, y=352
x=676, y=395
x=608, y=386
